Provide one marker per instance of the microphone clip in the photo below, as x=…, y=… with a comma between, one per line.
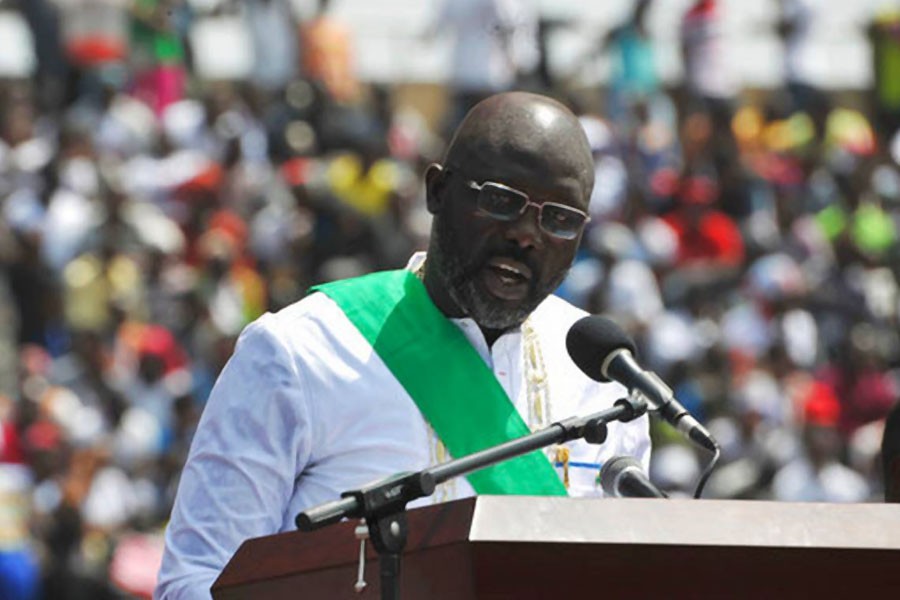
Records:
x=635, y=404
x=595, y=430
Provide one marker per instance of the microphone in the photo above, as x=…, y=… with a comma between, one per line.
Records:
x=622, y=477
x=605, y=353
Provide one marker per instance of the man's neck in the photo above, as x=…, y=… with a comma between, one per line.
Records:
x=491, y=335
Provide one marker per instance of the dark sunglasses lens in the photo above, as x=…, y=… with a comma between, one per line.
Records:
x=561, y=222
x=499, y=202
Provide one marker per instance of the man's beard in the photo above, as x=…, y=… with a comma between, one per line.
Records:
x=459, y=281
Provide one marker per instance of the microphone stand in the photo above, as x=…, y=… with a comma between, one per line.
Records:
x=383, y=503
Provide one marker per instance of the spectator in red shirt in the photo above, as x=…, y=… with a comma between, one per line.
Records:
x=706, y=237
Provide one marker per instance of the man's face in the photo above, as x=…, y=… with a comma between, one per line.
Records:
x=497, y=272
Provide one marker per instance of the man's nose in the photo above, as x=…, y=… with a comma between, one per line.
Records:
x=526, y=230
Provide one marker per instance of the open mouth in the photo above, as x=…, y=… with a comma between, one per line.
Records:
x=506, y=278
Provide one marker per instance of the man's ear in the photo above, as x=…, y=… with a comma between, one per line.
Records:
x=435, y=180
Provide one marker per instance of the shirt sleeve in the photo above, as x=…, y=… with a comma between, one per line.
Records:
x=252, y=442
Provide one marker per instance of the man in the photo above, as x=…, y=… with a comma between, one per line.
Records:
x=305, y=409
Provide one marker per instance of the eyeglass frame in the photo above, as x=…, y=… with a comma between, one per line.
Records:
x=528, y=203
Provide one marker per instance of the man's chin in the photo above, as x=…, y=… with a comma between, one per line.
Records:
x=492, y=312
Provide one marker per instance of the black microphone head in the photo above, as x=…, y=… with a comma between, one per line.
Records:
x=591, y=339
x=613, y=469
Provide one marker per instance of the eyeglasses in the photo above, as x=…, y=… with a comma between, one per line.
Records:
x=504, y=203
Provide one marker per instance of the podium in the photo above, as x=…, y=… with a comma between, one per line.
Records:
x=516, y=547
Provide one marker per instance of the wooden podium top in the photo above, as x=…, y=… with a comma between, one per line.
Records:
x=526, y=547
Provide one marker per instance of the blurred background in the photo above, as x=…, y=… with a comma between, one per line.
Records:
x=171, y=169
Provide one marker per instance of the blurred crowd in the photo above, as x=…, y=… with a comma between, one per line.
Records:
x=174, y=168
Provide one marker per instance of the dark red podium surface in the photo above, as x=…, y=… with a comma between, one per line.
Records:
x=523, y=547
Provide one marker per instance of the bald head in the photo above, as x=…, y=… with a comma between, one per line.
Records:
x=524, y=132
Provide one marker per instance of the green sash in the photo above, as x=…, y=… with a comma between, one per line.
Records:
x=445, y=376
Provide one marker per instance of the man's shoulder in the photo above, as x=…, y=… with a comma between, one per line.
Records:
x=551, y=320
x=312, y=306
x=321, y=309
x=557, y=312
x=307, y=313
